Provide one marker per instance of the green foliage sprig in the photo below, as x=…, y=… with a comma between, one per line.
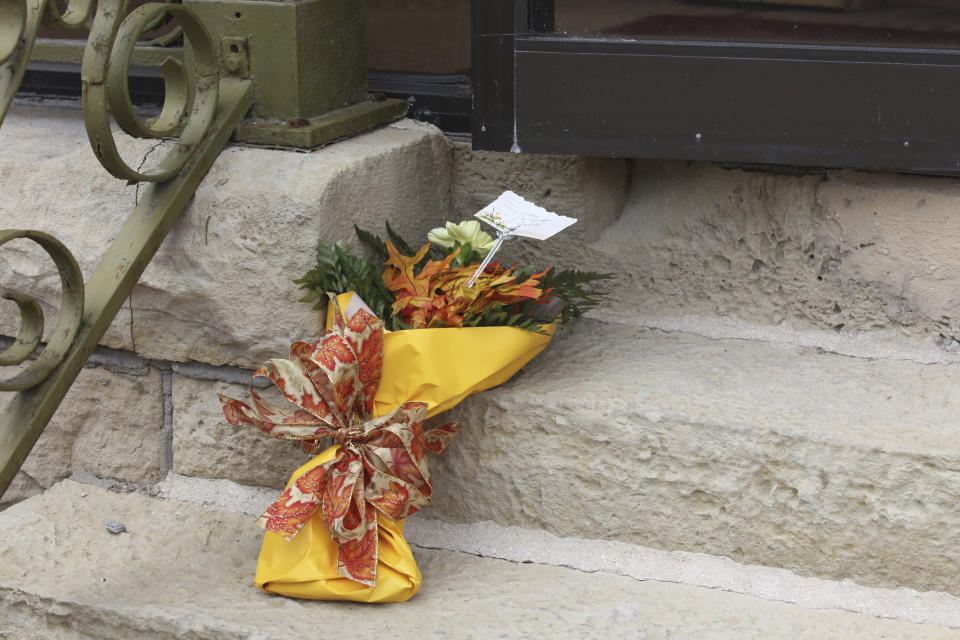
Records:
x=496, y=315
x=570, y=286
x=338, y=270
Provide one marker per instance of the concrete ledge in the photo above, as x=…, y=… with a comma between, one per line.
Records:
x=823, y=464
x=863, y=264
x=183, y=571
x=857, y=263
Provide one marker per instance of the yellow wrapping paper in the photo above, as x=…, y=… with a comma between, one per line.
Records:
x=306, y=566
x=440, y=367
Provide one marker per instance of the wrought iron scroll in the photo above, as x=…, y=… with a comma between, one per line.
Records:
x=204, y=112
x=104, y=75
x=19, y=21
x=31, y=316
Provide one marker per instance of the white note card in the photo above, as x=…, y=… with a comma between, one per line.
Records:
x=512, y=214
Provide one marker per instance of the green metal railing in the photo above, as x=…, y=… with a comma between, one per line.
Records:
x=210, y=89
x=219, y=102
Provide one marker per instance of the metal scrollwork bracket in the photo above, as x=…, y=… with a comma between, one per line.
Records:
x=19, y=21
x=31, y=316
x=204, y=124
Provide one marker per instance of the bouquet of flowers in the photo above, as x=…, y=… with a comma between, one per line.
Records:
x=404, y=342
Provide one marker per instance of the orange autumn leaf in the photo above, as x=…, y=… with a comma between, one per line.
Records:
x=417, y=443
x=440, y=295
x=333, y=349
x=438, y=439
x=337, y=495
x=344, y=390
x=357, y=559
x=393, y=500
x=286, y=516
x=312, y=481
x=404, y=467
x=352, y=520
x=494, y=284
x=233, y=411
x=401, y=277
x=320, y=381
x=369, y=358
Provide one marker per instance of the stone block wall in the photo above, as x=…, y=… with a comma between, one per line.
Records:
x=204, y=445
x=132, y=420
x=221, y=283
x=114, y=423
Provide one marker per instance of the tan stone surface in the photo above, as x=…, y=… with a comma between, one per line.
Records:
x=864, y=264
x=181, y=571
x=21, y=488
x=823, y=464
x=899, y=238
x=518, y=545
x=51, y=182
x=593, y=190
x=206, y=445
x=854, y=262
x=696, y=239
x=220, y=288
x=108, y=424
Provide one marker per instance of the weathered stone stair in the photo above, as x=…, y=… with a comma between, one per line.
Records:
x=183, y=571
x=580, y=498
x=827, y=465
x=823, y=464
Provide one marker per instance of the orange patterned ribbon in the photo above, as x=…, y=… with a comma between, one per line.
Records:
x=381, y=463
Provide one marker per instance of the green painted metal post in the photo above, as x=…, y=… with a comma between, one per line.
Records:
x=308, y=63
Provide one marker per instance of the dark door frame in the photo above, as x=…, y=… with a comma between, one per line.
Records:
x=877, y=108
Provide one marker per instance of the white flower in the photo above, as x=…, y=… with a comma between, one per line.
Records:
x=464, y=232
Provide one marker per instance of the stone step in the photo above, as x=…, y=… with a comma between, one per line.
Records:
x=182, y=570
x=251, y=228
x=826, y=465
x=769, y=454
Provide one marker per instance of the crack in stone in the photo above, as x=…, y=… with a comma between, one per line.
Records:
x=744, y=592
x=133, y=344
x=166, y=432
x=136, y=194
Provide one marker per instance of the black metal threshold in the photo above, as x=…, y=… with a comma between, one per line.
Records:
x=443, y=101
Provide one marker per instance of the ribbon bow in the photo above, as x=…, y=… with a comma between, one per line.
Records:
x=380, y=464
